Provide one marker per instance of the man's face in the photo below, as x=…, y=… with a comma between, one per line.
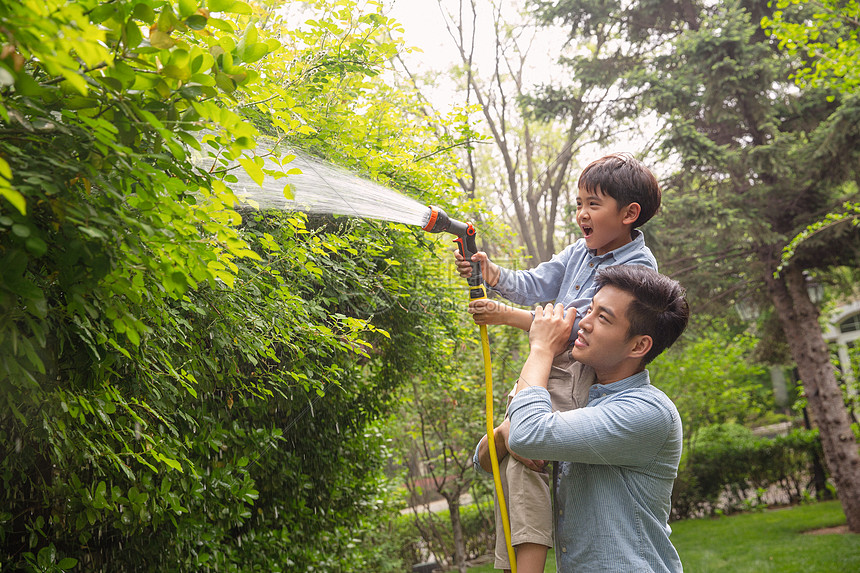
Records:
x=602, y=340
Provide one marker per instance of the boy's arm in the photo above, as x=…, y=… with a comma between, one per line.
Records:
x=488, y=311
x=527, y=287
x=537, y=285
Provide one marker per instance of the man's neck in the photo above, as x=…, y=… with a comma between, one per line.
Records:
x=621, y=372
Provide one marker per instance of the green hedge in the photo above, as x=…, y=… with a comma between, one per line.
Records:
x=730, y=469
x=410, y=533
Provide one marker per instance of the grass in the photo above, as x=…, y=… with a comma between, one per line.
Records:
x=760, y=542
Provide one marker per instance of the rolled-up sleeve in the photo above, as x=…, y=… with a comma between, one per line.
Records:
x=627, y=430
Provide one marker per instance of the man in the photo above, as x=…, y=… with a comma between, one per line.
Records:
x=619, y=455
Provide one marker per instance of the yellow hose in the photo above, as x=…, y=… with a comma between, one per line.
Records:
x=491, y=443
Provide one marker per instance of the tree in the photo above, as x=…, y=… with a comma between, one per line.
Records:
x=712, y=381
x=441, y=420
x=537, y=151
x=772, y=158
x=824, y=36
x=182, y=381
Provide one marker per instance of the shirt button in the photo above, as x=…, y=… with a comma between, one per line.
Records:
x=564, y=549
x=577, y=287
x=590, y=264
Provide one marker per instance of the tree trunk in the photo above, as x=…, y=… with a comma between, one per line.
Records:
x=799, y=319
x=457, y=530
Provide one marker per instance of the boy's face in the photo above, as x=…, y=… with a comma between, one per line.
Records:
x=602, y=341
x=602, y=221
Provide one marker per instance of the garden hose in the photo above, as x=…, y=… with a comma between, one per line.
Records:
x=437, y=222
x=491, y=443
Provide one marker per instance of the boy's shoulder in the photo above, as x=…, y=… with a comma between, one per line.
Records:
x=636, y=252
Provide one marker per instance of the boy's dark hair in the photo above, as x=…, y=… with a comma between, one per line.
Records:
x=625, y=179
x=659, y=308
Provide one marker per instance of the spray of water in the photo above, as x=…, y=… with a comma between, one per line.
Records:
x=325, y=188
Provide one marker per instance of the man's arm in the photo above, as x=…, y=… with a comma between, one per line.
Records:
x=501, y=433
x=548, y=337
x=628, y=430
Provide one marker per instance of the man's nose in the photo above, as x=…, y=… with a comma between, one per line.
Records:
x=585, y=322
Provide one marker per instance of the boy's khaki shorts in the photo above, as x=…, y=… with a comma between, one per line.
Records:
x=527, y=493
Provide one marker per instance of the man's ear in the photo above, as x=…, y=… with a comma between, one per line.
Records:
x=631, y=213
x=642, y=346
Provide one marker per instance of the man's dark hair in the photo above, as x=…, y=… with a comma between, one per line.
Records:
x=659, y=308
x=625, y=179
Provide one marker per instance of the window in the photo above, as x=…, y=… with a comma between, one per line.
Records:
x=850, y=324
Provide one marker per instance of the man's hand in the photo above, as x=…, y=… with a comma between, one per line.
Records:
x=490, y=271
x=550, y=330
x=500, y=435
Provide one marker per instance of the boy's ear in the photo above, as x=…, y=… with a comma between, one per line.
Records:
x=642, y=345
x=631, y=213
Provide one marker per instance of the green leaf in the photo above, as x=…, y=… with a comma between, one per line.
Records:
x=21, y=230
x=187, y=7
x=161, y=40
x=196, y=22
x=220, y=5
x=144, y=12
x=176, y=72
x=133, y=37
x=253, y=170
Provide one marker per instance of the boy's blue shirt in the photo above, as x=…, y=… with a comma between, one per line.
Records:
x=568, y=278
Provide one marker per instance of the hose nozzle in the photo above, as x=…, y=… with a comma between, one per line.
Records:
x=439, y=222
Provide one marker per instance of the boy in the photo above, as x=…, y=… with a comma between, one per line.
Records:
x=618, y=457
x=616, y=194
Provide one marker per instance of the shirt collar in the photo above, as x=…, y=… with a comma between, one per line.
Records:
x=638, y=380
x=635, y=244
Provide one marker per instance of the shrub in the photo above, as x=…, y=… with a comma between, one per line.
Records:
x=417, y=546
x=729, y=469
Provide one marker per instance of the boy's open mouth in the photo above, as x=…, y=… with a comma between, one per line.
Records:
x=586, y=231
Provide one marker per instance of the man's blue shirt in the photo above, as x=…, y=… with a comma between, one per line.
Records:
x=618, y=459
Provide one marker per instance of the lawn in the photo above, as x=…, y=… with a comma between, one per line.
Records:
x=771, y=540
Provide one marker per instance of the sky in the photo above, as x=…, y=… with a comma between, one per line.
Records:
x=424, y=28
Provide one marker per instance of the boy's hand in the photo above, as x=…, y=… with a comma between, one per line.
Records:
x=551, y=328
x=487, y=311
x=490, y=270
